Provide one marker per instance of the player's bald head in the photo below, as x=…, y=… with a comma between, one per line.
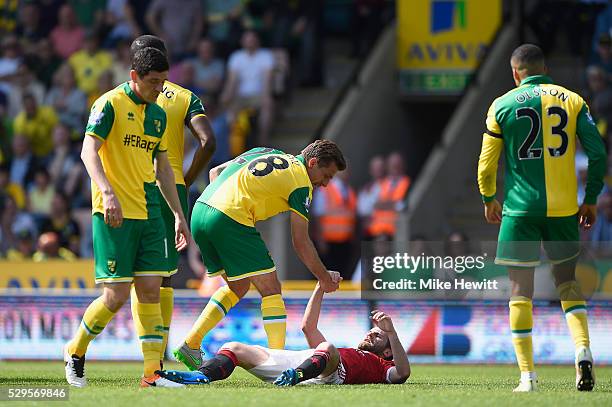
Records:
x=528, y=60
x=147, y=41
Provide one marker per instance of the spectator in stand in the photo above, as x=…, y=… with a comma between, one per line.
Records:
x=187, y=78
x=69, y=102
x=40, y=195
x=47, y=62
x=219, y=122
x=89, y=14
x=48, y=14
x=63, y=160
x=22, y=164
x=334, y=208
x=24, y=83
x=12, y=222
x=49, y=248
x=36, y=123
x=209, y=70
x=24, y=247
x=119, y=17
x=368, y=15
x=368, y=194
x=106, y=82
x=179, y=23
x=601, y=233
x=249, y=83
x=89, y=63
x=600, y=96
x=68, y=36
x=391, y=197
x=9, y=62
x=61, y=222
x=6, y=130
x=28, y=29
x=224, y=23
x=122, y=63
x=603, y=53
x=11, y=188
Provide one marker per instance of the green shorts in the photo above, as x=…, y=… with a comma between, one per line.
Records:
x=227, y=246
x=134, y=249
x=168, y=217
x=520, y=239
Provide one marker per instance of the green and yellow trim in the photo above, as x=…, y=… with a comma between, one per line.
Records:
x=251, y=274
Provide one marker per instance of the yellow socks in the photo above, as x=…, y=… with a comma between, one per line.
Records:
x=94, y=320
x=217, y=308
x=521, y=324
x=575, y=313
x=275, y=320
x=166, y=302
x=150, y=333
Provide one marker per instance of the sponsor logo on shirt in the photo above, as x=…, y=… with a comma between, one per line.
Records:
x=130, y=116
x=133, y=140
x=307, y=204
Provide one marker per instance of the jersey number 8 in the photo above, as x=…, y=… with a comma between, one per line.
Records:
x=271, y=162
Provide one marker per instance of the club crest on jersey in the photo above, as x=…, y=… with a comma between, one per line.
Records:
x=112, y=265
x=157, y=124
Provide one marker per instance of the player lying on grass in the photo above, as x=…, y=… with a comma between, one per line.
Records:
x=379, y=358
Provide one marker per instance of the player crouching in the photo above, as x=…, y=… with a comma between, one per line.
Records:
x=379, y=358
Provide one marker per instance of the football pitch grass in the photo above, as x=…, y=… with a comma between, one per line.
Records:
x=116, y=384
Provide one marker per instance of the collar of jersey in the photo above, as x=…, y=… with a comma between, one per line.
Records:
x=301, y=158
x=135, y=98
x=536, y=79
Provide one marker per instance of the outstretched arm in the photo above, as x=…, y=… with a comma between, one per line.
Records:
x=310, y=321
x=401, y=371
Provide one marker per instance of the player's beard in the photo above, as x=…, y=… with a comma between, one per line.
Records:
x=367, y=346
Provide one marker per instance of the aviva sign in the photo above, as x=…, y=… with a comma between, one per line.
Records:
x=441, y=42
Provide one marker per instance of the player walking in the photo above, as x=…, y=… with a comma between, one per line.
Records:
x=124, y=150
x=255, y=186
x=537, y=124
x=183, y=108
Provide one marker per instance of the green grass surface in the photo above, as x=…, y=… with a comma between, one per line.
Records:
x=116, y=384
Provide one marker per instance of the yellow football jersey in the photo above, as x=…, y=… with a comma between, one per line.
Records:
x=132, y=132
x=259, y=184
x=181, y=105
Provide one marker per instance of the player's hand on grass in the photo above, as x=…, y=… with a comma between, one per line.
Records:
x=383, y=321
x=182, y=235
x=587, y=215
x=113, y=215
x=493, y=211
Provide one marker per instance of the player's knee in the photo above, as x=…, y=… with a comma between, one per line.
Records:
x=114, y=299
x=328, y=348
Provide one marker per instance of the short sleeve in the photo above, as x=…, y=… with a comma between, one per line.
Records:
x=386, y=369
x=299, y=201
x=101, y=118
x=234, y=61
x=493, y=128
x=194, y=109
x=268, y=60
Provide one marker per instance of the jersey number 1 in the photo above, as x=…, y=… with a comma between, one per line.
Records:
x=526, y=150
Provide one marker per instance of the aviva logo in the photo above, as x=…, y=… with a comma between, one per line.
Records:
x=448, y=15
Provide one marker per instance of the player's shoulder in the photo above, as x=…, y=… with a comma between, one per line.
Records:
x=172, y=90
x=565, y=94
x=113, y=96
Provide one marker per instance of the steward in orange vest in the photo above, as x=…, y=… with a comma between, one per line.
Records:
x=335, y=207
x=393, y=190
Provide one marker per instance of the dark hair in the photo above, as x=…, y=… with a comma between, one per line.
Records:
x=529, y=57
x=149, y=59
x=326, y=152
x=145, y=41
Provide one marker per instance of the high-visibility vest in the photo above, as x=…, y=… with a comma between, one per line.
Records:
x=338, y=223
x=383, y=220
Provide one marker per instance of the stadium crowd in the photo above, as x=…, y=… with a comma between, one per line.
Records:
x=58, y=56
